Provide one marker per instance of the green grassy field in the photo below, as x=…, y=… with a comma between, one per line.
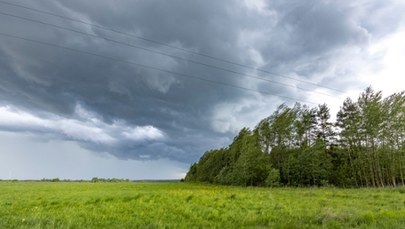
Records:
x=182, y=205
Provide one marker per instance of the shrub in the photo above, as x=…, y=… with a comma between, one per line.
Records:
x=273, y=179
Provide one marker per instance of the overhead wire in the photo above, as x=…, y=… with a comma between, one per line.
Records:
x=169, y=45
x=115, y=59
x=164, y=54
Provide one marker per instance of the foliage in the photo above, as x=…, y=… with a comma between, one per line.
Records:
x=97, y=179
x=273, y=179
x=364, y=147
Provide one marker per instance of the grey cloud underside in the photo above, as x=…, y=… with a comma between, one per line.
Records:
x=293, y=38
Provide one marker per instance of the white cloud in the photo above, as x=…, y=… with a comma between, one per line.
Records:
x=141, y=133
x=231, y=117
x=12, y=118
x=389, y=73
x=84, y=131
x=258, y=5
x=87, y=127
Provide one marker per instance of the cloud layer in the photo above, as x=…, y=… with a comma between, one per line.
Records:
x=140, y=113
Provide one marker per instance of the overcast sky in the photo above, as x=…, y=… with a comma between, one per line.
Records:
x=171, y=79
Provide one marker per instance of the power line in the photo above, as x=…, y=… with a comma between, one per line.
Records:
x=168, y=45
x=162, y=53
x=114, y=59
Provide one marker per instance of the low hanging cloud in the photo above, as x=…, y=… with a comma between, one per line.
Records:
x=85, y=128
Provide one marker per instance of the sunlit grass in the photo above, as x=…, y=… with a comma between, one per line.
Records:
x=183, y=205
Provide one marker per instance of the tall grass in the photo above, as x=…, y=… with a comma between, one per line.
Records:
x=184, y=205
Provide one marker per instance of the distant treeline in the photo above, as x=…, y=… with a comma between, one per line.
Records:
x=300, y=146
x=98, y=180
x=94, y=180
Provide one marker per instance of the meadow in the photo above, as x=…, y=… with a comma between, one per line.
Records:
x=185, y=205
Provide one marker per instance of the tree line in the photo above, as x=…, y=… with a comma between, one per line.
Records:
x=301, y=146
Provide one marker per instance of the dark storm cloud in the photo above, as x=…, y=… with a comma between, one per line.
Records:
x=311, y=33
x=288, y=37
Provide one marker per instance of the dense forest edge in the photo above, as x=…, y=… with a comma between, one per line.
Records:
x=300, y=146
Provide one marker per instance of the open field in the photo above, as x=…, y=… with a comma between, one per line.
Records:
x=183, y=205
